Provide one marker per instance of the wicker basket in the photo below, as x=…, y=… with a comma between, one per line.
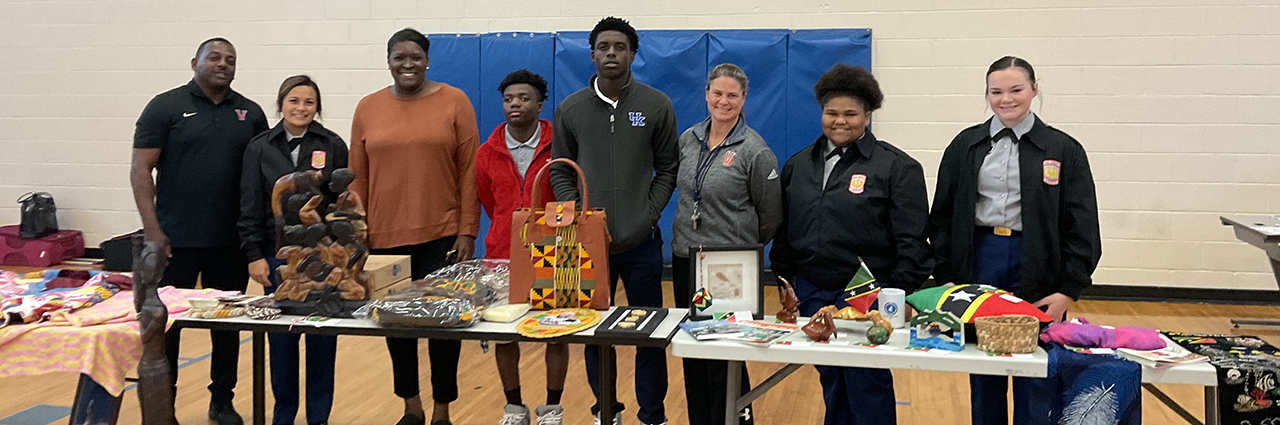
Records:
x=1014, y=333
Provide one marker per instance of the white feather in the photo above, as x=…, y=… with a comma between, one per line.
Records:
x=1096, y=406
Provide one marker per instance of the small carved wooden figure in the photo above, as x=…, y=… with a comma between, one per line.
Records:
x=790, y=304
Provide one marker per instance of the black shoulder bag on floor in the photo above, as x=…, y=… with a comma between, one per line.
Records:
x=39, y=215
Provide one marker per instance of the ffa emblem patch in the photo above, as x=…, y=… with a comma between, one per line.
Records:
x=637, y=119
x=241, y=113
x=857, y=183
x=728, y=158
x=1051, y=171
x=317, y=160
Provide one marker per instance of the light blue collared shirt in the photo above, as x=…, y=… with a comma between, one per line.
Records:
x=999, y=188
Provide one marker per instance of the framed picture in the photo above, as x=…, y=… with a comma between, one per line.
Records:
x=732, y=277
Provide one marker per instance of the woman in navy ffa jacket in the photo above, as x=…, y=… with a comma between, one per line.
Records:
x=296, y=143
x=1015, y=207
x=851, y=196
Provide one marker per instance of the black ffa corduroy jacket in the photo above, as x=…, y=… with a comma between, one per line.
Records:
x=1061, y=242
x=265, y=161
x=874, y=207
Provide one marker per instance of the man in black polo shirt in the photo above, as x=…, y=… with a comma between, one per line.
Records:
x=194, y=137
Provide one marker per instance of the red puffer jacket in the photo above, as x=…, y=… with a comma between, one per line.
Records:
x=502, y=190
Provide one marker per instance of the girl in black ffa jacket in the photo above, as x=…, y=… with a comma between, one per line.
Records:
x=296, y=143
x=850, y=196
x=1015, y=207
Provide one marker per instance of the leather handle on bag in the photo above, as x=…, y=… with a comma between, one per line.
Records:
x=582, y=184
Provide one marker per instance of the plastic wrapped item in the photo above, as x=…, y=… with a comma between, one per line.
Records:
x=454, y=296
x=428, y=311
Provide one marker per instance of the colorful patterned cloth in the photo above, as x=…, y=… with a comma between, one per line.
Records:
x=1094, y=389
x=101, y=341
x=1248, y=373
x=38, y=295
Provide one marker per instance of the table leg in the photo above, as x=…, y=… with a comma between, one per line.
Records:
x=608, y=382
x=733, y=383
x=259, y=378
x=1275, y=270
x=83, y=408
x=1211, y=406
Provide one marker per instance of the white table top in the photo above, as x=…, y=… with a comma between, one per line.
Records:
x=844, y=351
x=491, y=330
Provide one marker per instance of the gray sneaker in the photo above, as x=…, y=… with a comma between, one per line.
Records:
x=551, y=414
x=617, y=418
x=515, y=414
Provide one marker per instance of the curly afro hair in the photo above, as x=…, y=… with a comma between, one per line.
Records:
x=615, y=24
x=852, y=81
x=524, y=76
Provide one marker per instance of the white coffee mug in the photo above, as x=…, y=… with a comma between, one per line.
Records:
x=892, y=306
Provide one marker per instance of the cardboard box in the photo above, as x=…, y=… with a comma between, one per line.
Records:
x=386, y=272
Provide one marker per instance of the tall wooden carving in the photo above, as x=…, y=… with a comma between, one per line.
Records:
x=323, y=245
x=155, y=386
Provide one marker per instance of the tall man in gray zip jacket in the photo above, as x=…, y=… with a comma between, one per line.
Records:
x=622, y=134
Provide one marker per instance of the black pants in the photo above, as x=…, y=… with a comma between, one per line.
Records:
x=704, y=380
x=424, y=258
x=217, y=268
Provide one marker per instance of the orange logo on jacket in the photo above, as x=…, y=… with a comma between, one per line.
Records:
x=317, y=160
x=728, y=158
x=1052, y=169
x=857, y=183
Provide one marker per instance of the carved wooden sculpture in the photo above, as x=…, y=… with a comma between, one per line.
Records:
x=821, y=327
x=790, y=304
x=155, y=386
x=321, y=250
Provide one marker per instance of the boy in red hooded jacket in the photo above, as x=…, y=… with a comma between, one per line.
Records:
x=506, y=165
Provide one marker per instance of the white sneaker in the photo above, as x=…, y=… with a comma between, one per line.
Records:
x=515, y=414
x=617, y=418
x=549, y=414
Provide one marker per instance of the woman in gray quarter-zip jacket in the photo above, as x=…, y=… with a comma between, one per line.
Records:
x=729, y=195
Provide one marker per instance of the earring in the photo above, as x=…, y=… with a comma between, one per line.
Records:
x=428, y=68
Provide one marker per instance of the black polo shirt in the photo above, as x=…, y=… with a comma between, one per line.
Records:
x=874, y=206
x=201, y=149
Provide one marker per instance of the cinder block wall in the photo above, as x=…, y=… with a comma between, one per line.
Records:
x=1175, y=100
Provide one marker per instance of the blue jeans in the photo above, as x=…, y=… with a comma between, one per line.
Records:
x=321, y=351
x=641, y=271
x=998, y=262
x=853, y=395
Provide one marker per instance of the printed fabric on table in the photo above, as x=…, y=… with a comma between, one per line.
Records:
x=1247, y=374
x=1094, y=389
x=36, y=295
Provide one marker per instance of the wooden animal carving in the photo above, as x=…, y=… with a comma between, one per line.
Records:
x=821, y=327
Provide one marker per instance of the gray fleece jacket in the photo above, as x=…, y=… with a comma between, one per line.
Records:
x=629, y=155
x=741, y=198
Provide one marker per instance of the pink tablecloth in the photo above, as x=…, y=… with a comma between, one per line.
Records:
x=101, y=341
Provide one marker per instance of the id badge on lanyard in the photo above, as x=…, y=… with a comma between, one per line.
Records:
x=705, y=159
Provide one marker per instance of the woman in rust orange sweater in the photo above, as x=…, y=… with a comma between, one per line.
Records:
x=413, y=150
